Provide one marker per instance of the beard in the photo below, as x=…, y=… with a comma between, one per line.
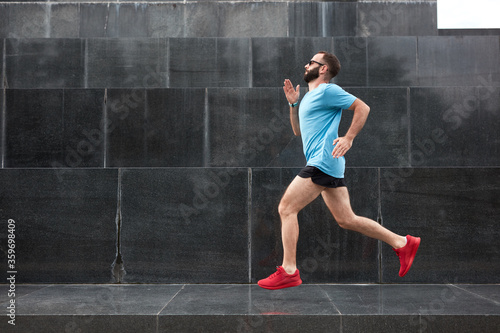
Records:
x=311, y=75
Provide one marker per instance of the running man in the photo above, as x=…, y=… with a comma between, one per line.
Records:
x=317, y=123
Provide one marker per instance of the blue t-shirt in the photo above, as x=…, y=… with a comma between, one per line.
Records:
x=319, y=118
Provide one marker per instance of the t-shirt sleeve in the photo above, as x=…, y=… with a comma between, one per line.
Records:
x=338, y=98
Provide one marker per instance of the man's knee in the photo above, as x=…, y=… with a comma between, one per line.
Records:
x=285, y=209
x=346, y=222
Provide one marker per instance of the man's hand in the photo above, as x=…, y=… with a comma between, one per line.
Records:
x=292, y=95
x=342, y=145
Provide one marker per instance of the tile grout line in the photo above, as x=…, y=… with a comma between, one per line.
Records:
x=477, y=295
x=380, y=220
x=161, y=310
x=105, y=129
x=177, y=293
x=206, y=131
x=48, y=18
x=250, y=63
x=408, y=114
x=333, y=304
x=249, y=207
x=4, y=102
x=86, y=64
x=38, y=290
x=4, y=126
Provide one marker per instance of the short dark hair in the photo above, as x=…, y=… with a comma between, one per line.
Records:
x=332, y=62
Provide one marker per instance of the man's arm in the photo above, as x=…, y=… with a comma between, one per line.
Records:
x=292, y=95
x=343, y=144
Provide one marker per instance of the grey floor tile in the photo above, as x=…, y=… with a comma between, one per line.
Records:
x=488, y=291
x=20, y=290
x=445, y=299
x=83, y=300
x=236, y=299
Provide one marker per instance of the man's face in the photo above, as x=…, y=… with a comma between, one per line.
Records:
x=312, y=68
x=311, y=73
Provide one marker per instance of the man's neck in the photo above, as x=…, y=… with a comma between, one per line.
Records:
x=315, y=83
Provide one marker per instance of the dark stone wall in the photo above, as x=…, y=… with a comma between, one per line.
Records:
x=150, y=142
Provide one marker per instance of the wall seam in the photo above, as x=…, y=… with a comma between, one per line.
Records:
x=105, y=128
x=4, y=101
x=249, y=207
x=117, y=267
x=408, y=115
x=206, y=131
x=250, y=64
x=381, y=221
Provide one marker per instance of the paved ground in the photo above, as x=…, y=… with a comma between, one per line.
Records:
x=248, y=308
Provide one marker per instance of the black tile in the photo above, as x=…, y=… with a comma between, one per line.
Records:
x=64, y=20
x=383, y=140
x=199, y=220
x=396, y=19
x=392, y=61
x=344, y=16
x=64, y=223
x=250, y=323
x=209, y=62
x=23, y=20
x=202, y=19
x=130, y=62
x=305, y=19
x=193, y=62
x=114, y=20
x=2, y=53
x=351, y=52
x=469, y=32
x=454, y=60
x=321, y=19
x=325, y=252
x=4, y=26
x=251, y=127
x=260, y=19
x=98, y=20
x=382, y=324
x=85, y=323
x=126, y=133
x=455, y=126
x=133, y=20
x=156, y=127
x=174, y=127
x=453, y=211
x=83, y=128
x=2, y=130
x=276, y=59
x=233, y=62
x=169, y=19
x=34, y=129
x=469, y=323
x=54, y=128
x=45, y=63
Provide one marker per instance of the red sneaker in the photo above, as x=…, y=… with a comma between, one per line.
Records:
x=407, y=253
x=281, y=279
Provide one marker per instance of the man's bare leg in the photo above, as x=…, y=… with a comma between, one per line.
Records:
x=337, y=201
x=299, y=194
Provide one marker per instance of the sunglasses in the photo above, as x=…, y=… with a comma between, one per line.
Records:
x=314, y=61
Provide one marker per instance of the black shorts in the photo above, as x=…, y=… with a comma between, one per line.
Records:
x=318, y=177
